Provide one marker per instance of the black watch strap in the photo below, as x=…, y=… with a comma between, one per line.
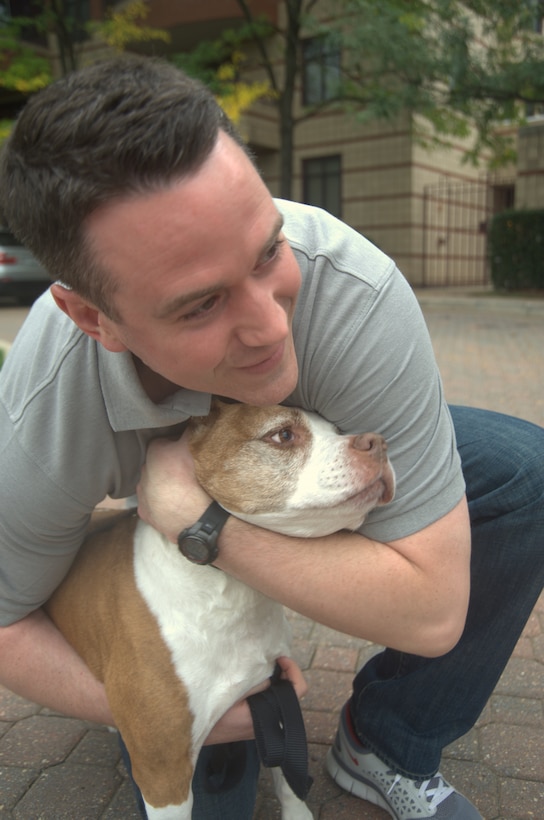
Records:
x=199, y=542
x=213, y=519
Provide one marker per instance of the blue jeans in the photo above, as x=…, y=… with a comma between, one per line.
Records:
x=407, y=708
x=236, y=803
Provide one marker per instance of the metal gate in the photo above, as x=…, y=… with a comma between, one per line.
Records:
x=455, y=219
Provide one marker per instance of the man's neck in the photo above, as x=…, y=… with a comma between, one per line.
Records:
x=156, y=386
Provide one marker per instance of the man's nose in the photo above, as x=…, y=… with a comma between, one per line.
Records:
x=263, y=320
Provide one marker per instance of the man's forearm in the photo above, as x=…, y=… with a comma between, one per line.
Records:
x=38, y=664
x=411, y=595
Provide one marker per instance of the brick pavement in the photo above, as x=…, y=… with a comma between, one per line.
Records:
x=491, y=354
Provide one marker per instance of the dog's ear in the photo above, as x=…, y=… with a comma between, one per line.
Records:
x=200, y=424
x=216, y=404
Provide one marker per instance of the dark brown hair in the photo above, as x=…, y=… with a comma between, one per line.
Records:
x=124, y=126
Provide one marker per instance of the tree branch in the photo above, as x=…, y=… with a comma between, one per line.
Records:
x=259, y=42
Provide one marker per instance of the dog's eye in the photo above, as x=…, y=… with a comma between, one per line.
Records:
x=283, y=436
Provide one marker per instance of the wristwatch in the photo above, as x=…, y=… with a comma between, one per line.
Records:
x=199, y=542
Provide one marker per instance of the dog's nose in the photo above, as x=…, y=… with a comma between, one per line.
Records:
x=370, y=442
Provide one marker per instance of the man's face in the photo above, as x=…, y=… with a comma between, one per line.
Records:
x=206, y=283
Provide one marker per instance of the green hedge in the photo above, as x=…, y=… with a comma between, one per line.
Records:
x=516, y=250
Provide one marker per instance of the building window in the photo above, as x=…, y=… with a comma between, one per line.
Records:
x=322, y=183
x=503, y=197
x=321, y=70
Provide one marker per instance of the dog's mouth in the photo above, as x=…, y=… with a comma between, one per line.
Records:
x=375, y=494
x=380, y=492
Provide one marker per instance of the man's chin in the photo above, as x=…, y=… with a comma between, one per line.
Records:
x=263, y=395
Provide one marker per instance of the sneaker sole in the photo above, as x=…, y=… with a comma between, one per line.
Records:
x=352, y=785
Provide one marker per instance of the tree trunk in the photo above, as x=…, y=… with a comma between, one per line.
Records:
x=286, y=102
x=285, y=96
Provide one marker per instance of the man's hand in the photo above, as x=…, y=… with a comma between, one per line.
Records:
x=169, y=496
x=236, y=724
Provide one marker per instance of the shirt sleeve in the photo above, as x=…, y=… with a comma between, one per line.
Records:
x=40, y=533
x=66, y=442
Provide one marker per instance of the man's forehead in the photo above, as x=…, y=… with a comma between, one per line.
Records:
x=194, y=295
x=187, y=225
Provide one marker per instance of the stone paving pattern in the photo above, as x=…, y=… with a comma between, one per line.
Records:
x=491, y=354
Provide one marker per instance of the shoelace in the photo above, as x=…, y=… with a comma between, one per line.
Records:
x=434, y=795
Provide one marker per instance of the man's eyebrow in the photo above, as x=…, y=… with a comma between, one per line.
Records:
x=184, y=299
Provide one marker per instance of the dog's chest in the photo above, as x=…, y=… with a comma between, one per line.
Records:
x=224, y=637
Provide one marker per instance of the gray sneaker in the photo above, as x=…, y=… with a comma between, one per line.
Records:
x=361, y=773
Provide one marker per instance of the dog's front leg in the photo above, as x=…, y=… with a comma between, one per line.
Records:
x=292, y=807
x=156, y=728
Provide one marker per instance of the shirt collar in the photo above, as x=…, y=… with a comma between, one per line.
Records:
x=128, y=405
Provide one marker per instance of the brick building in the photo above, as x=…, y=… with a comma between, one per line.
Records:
x=426, y=208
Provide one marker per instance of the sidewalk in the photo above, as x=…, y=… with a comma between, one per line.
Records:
x=491, y=354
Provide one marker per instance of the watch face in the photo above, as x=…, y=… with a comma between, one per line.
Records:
x=199, y=543
x=198, y=550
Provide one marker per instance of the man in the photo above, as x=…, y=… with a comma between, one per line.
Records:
x=181, y=278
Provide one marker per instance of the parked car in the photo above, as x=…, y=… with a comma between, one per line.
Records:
x=22, y=278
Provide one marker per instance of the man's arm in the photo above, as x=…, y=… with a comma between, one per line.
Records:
x=410, y=594
x=38, y=664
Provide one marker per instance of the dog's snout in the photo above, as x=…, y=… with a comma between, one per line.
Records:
x=371, y=443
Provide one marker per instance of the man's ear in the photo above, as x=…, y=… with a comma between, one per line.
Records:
x=87, y=317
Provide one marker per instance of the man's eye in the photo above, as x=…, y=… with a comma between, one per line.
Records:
x=272, y=252
x=201, y=310
x=283, y=436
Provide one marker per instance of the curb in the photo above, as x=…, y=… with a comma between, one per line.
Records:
x=479, y=303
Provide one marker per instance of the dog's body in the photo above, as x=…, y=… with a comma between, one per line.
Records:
x=177, y=644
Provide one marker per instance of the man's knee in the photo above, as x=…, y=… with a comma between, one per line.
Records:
x=502, y=456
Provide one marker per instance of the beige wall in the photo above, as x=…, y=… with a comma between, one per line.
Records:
x=530, y=172
x=385, y=174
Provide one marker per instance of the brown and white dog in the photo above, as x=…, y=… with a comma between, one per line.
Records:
x=177, y=644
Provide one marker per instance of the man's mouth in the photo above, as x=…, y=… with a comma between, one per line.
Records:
x=267, y=363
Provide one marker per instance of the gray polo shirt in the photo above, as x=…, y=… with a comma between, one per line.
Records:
x=75, y=421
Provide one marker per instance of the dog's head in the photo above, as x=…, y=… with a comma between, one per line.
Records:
x=289, y=470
